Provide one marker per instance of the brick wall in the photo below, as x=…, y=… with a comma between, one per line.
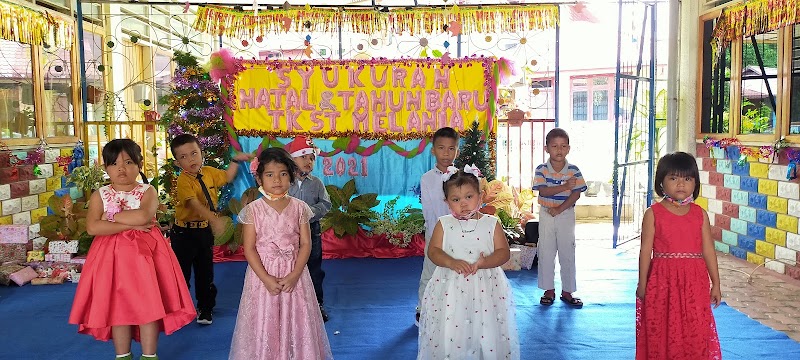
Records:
x=24, y=195
x=752, y=207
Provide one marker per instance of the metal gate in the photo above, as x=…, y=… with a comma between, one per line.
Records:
x=634, y=112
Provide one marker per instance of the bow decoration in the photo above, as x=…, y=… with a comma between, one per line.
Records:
x=254, y=166
x=472, y=169
x=451, y=170
x=469, y=169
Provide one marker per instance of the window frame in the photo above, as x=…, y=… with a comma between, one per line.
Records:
x=711, y=15
x=590, y=88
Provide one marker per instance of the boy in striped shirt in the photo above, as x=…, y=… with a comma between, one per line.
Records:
x=560, y=185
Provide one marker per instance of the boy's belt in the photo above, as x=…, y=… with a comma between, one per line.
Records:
x=192, y=224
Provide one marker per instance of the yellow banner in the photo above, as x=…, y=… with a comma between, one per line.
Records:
x=328, y=98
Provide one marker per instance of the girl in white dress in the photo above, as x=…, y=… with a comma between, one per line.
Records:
x=468, y=310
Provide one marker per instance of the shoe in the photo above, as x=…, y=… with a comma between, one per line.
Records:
x=148, y=357
x=323, y=313
x=416, y=319
x=126, y=357
x=205, y=318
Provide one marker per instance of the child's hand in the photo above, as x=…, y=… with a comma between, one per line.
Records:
x=554, y=211
x=462, y=267
x=217, y=226
x=570, y=184
x=479, y=263
x=716, y=296
x=272, y=286
x=243, y=157
x=288, y=283
x=640, y=291
x=143, y=228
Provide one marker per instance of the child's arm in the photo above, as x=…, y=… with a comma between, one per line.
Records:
x=144, y=214
x=440, y=258
x=553, y=190
x=303, y=253
x=501, y=252
x=323, y=205
x=571, y=200
x=95, y=226
x=254, y=260
x=710, y=256
x=646, y=251
x=233, y=167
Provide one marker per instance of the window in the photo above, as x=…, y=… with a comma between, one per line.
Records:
x=95, y=87
x=759, y=84
x=58, y=108
x=590, y=97
x=794, y=120
x=579, y=105
x=17, y=108
x=715, y=91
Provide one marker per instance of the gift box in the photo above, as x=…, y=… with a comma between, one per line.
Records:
x=13, y=234
x=51, y=269
x=62, y=247
x=48, y=281
x=78, y=260
x=13, y=252
x=527, y=255
x=6, y=271
x=513, y=263
x=39, y=243
x=58, y=257
x=23, y=276
x=36, y=255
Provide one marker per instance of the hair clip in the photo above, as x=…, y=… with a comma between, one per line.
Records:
x=451, y=170
x=254, y=166
x=472, y=169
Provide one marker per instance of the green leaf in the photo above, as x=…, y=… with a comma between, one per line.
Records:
x=348, y=190
x=436, y=53
x=350, y=228
x=341, y=143
x=336, y=196
x=235, y=206
x=364, y=202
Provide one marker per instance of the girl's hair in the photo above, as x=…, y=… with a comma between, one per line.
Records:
x=278, y=155
x=678, y=164
x=115, y=147
x=461, y=178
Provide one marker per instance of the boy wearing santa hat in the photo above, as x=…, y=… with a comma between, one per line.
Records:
x=311, y=190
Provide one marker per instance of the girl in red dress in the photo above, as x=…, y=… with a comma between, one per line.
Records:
x=673, y=311
x=131, y=286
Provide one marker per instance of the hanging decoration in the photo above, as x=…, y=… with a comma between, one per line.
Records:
x=219, y=20
x=751, y=18
x=767, y=152
x=24, y=24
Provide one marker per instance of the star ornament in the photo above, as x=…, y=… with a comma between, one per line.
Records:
x=454, y=28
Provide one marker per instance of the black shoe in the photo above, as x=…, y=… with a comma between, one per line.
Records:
x=416, y=320
x=205, y=318
x=323, y=313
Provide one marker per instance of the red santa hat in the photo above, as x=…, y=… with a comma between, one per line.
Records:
x=300, y=146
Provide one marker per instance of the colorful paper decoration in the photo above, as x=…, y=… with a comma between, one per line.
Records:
x=25, y=25
x=218, y=20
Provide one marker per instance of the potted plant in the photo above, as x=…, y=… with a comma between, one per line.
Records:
x=348, y=213
x=399, y=226
x=88, y=178
x=67, y=222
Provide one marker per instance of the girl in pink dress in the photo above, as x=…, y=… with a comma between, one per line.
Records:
x=131, y=285
x=279, y=315
x=673, y=311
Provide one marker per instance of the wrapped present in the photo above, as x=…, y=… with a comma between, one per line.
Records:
x=35, y=255
x=527, y=255
x=13, y=252
x=58, y=257
x=74, y=276
x=14, y=234
x=513, y=263
x=23, y=276
x=39, y=243
x=62, y=247
x=50, y=269
x=6, y=270
x=78, y=260
x=48, y=281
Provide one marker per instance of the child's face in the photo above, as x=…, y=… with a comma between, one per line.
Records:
x=275, y=179
x=445, y=151
x=558, y=148
x=189, y=157
x=305, y=163
x=123, y=171
x=678, y=187
x=463, y=199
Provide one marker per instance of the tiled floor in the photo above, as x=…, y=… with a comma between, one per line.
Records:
x=768, y=297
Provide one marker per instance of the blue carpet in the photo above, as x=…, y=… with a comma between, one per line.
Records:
x=371, y=302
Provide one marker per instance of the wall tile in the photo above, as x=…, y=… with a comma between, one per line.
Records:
x=717, y=153
x=759, y=170
x=38, y=213
x=755, y=258
x=715, y=178
x=722, y=221
x=709, y=191
x=747, y=243
x=75, y=193
x=793, y=241
x=739, y=252
x=715, y=206
x=749, y=184
x=793, y=271
x=787, y=223
x=741, y=169
x=53, y=183
x=785, y=255
x=740, y=197
x=758, y=201
x=28, y=203
x=5, y=192
x=789, y=190
x=765, y=249
x=22, y=218
x=716, y=234
x=9, y=175
x=731, y=238
x=768, y=187
x=58, y=171
x=19, y=189
x=766, y=218
x=44, y=198
x=702, y=151
x=747, y=213
x=37, y=186
x=723, y=193
x=51, y=155
x=721, y=247
x=724, y=166
x=731, y=181
x=46, y=171
x=794, y=208
x=739, y=226
x=33, y=230
x=757, y=231
x=777, y=172
x=777, y=204
x=703, y=177
x=730, y=209
x=775, y=236
x=65, y=151
x=11, y=206
x=776, y=266
x=7, y=220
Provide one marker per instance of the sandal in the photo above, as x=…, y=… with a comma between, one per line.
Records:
x=547, y=300
x=573, y=301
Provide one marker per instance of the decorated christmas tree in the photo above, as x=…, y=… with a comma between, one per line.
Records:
x=474, y=151
x=194, y=106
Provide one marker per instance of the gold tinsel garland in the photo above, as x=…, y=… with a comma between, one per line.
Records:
x=219, y=20
x=25, y=25
x=751, y=18
x=492, y=137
